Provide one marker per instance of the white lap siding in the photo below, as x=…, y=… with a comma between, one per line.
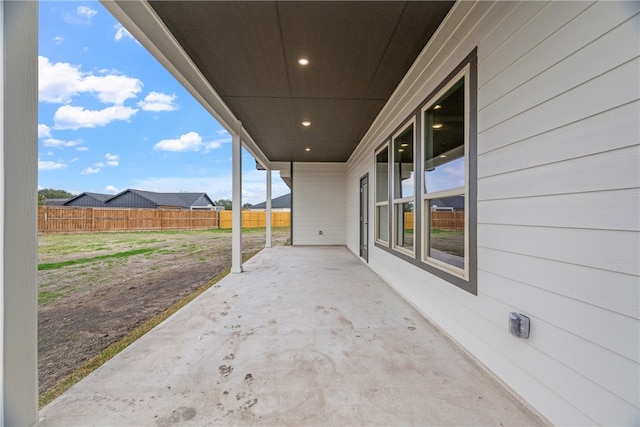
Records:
x=558, y=201
x=319, y=203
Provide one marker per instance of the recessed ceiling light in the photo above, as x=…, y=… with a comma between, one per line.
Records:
x=401, y=149
x=437, y=126
x=437, y=107
x=404, y=144
x=306, y=123
x=303, y=61
x=443, y=155
x=307, y=149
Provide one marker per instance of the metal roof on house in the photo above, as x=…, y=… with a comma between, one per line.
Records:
x=55, y=202
x=282, y=202
x=183, y=200
x=98, y=198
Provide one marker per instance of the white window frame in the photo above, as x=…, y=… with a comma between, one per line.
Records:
x=461, y=191
x=402, y=200
x=385, y=203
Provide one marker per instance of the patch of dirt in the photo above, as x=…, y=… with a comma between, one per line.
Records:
x=84, y=308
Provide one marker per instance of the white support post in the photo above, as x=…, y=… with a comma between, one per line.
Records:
x=18, y=213
x=267, y=244
x=236, y=199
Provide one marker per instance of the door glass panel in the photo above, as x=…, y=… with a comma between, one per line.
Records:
x=365, y=214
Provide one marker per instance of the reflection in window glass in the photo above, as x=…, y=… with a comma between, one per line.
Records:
x=382, y=195
x=382, y=175
x=446, y=240
x=403, y=164
x=444, y=163
x=382, y=213
x=404, y=224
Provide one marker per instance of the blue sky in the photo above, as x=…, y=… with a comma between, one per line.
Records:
x=111, y=117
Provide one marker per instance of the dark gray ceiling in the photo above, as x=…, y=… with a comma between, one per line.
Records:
x=358, y=53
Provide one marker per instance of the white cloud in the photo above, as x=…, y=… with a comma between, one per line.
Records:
x=60, y=82
x=112, y=159
x=70, y=117
x=57, y=83
x=86, y=11
x=82, y=16
x=44, y=131
x=212, y=146
x=122, y=32
x=156, y=101
x=58, y=39
x=110, y=189
x=82, y=148
x=188, y=142
x=111, y=88
x=50, y=165
x=225, y=138
x=58, y=143
x=90, y=170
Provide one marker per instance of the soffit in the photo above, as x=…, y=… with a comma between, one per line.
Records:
x=358, y=53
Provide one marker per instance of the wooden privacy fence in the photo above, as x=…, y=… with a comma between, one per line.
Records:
x=442, y=220
x=256, y=219
x=55, y=219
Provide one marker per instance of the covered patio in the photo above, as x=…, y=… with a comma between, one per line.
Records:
x=306, y=336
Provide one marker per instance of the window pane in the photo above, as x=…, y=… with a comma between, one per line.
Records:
x=403, y=164
x=446, y=232
x=382, y=175
x=404, y=224
x=382, y=230
x=444, y=163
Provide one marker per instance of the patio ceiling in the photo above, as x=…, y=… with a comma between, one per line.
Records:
x=357, y=51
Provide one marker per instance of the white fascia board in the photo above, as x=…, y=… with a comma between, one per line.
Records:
x=139, y=18
x=282, y=167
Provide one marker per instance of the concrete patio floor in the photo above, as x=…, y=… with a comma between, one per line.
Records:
x=305, y=336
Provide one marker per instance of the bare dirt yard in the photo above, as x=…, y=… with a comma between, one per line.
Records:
x=96, y=288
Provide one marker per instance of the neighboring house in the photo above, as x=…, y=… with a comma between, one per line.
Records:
x=527, y=110
x=448, y=204
x=86, y=199
x=282, y=203
x=151, y=200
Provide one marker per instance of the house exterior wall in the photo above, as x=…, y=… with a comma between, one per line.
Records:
x=318, y=203
x=203, y=201
x=558, y=201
